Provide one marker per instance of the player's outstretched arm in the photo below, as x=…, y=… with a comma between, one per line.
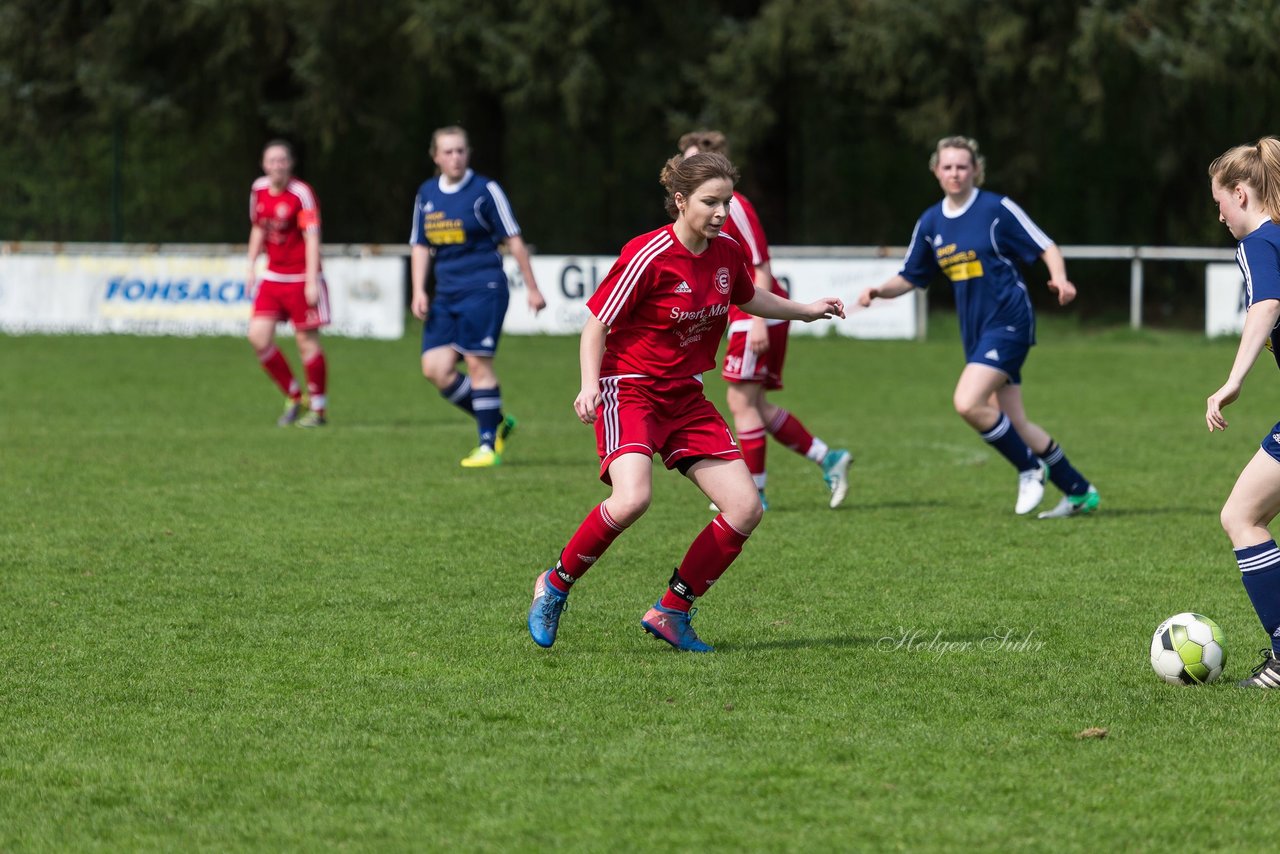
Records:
x=519, y=251
x=1058, y=281
x=590, y=353
x=765, y=304
x=1258, y=323
x=895, y=287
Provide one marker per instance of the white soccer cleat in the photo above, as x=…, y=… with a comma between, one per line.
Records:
x=1030, y=489
x=835, y=472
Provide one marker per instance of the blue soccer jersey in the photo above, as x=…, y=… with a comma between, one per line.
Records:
x=463, y=225
x=980, y=248
x=1258, y=255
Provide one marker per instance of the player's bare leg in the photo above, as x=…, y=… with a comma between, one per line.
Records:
x=729, y=485
x=1253, y=503
x=632, y=476
x=976, y=400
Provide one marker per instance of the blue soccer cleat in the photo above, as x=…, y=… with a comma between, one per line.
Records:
x=544, y=613
x=674, y=627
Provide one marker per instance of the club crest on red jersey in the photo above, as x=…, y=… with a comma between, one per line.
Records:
x=722, y=280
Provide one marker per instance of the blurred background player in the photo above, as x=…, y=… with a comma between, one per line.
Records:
x=286, y=224
x=1245, y=183
x=654, y=327
x=459, y=220
x=977, y=238
x=757, y=348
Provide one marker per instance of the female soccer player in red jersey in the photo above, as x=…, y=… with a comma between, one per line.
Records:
x=656, y=322
x=757, y=348
x=286, y=224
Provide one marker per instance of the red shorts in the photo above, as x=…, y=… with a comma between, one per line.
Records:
x=671, y=418
x=742, y=365
x=288, y=301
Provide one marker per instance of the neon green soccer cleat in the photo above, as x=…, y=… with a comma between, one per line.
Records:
x=1074, y=505
x=505, y=429
x=482, y=457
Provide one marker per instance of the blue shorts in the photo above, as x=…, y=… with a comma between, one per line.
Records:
x=1000, y=352
x=1271, y=443
x=469, y=322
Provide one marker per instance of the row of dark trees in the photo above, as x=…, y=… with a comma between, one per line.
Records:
x=142, y=120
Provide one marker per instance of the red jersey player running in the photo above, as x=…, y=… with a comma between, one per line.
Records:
x=757, y=349
x=286, y=224
x=656, y=321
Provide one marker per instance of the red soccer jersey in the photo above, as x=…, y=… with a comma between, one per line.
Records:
x=284, y=217
x=744, y=226
x=667, y=308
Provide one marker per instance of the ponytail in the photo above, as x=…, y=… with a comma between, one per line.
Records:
x=1256, y=165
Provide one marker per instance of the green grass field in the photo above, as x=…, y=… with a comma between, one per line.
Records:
x=220, y=635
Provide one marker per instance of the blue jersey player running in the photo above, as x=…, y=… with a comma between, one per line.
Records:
x=459, y=220
x=1245, y=182
x=978, y=240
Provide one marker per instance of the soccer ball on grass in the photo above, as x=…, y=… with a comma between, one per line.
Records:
x=1188, y=649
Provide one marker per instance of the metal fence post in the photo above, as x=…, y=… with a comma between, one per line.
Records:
x=1135, y=291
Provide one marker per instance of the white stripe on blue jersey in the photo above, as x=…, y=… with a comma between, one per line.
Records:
x=1243, y=260
x=911, y=244
x=508, y=218
x=1042, y=240
x=415, y=235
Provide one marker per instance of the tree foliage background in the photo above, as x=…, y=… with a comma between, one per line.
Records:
x=143, y=120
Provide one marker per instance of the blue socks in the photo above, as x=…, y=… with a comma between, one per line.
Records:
x=484, y=404
x=1260, y=572
x=487, y=403
x=1062, y=473
x=459, y=393
x=1006, y=440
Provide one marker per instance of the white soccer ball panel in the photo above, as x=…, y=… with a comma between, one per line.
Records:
x=1213, y=675
x=1168, y=664
x=1212, y=656
x=1199, y=632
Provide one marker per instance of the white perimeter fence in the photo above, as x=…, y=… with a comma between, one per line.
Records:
x=183, y=289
